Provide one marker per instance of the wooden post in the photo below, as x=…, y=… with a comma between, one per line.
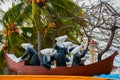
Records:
x=39, y=47
x=92, y=50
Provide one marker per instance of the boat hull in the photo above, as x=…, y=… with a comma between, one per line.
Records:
x=101, y=67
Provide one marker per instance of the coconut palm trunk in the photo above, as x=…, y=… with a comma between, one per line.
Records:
x=39, y=47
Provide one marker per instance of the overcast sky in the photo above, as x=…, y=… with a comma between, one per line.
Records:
x=6, y=5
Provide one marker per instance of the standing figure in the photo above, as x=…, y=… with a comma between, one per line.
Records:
x=77, y=56
x=48, y=58
x=62, y=50
x=31, y=55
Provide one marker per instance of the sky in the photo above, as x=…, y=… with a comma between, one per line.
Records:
x=5, y=6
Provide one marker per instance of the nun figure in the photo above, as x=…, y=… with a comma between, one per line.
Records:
x=48, y=58
x=77, y=56
x=62, y=50
x=31, y=55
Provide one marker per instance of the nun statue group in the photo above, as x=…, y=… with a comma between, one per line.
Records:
x=63, y=54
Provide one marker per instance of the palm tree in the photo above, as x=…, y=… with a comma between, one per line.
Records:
x=40, y=22
x=39, y=18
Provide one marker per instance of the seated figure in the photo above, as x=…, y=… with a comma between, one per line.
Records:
x=48, y=57
x=77, y=56
x=31, y=55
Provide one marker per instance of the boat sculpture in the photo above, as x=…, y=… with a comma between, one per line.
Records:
x=101, y=67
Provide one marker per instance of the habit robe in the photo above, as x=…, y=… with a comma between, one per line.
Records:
x=77, y=58
x=48, y=61
x=33, y=57
x=60, y=56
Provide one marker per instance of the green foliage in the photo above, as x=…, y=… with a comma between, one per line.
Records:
x=13, y=13
x=31, y=18
x=2, y=61
x=58, y=11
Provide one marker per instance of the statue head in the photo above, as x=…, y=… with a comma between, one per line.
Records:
x=61, y=38
x=76, y=50
x=26, y=45
x=48, y=51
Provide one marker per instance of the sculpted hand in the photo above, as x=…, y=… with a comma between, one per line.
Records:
x=53, y=67
x=19, y=59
